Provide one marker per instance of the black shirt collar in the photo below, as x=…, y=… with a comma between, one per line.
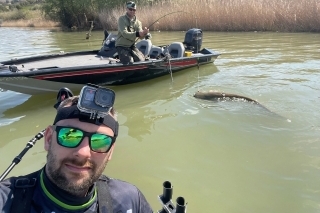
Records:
x=65, y=196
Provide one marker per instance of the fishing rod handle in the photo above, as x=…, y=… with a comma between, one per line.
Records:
x=18, y=158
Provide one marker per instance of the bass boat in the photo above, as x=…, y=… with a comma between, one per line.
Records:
x=48, y=73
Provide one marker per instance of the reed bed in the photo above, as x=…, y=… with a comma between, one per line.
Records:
x=209, y=15
x=225, y=15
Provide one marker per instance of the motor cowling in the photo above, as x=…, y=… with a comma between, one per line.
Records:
x=193, y=40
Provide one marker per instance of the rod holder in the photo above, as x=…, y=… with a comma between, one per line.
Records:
x=166, y=202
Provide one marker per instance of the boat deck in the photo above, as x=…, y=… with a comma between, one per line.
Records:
x=65, y=62
x=69, y=61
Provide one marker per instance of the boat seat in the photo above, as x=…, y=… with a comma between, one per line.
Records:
x=155, y=52
x=176, y=49
x=144, y=46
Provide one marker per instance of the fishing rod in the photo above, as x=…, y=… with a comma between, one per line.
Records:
x=18, y=158
x=180, y=11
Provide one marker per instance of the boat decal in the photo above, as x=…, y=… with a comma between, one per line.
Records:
x=188, y=62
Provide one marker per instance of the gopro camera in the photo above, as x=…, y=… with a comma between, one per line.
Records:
x=96, y=101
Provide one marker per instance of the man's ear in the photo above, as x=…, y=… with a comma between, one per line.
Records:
x=111, y=151
x=48, y=137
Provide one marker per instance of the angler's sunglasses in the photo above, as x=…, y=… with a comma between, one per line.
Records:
x=72, y=137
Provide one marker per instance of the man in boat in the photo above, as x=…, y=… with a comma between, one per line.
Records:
x=129, y=29
x=78, y=150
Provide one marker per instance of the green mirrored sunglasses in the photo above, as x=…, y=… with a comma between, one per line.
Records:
x=72, y=137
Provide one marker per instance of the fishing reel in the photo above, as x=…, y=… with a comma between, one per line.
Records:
x=148, y=36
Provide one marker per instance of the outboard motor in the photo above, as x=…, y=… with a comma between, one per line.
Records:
x=193, y=40
x=108, y=48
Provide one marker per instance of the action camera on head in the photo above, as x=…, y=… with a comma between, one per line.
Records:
x=96, y=101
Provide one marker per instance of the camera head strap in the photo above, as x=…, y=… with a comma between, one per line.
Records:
x=74, y=112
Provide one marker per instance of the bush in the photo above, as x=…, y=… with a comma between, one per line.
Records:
x=13, y=15
x=12, y=7
x=3, y=8
x=36, y=7
x=77, y=13
x=18, y=6
x=31, y=25
x=24, y=3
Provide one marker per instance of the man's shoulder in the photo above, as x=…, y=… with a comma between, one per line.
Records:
x=127, y=196
x=116, y=184
x=119, y=188
x=123, y=17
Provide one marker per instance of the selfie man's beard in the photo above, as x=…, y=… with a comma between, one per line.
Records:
x=73, y=187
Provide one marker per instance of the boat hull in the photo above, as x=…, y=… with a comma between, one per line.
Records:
x=35, y=87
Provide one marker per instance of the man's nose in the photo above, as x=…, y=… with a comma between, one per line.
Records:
x=83, y=150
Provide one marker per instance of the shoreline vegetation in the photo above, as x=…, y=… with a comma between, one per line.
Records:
x=208, y=15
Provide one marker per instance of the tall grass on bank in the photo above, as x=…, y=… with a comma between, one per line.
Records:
x=25, y=18
x=225, y=15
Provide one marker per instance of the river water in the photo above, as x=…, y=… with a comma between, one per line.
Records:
x=227, y=156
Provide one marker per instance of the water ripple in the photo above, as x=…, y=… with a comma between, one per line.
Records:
x=25, y=42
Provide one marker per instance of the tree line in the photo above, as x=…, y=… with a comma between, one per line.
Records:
x=78, y=13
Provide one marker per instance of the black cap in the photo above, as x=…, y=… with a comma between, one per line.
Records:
x=131, y=4
x=73, y=112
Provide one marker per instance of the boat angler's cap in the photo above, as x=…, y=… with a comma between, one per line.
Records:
x=73, y=112
x=131, y=4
